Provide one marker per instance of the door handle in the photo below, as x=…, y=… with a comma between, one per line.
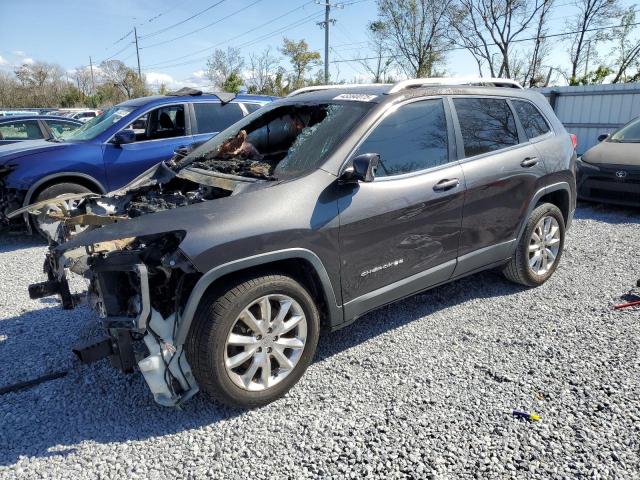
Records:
x=446, y=184
x=529, y=162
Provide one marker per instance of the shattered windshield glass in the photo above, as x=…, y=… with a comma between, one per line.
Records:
x=279, y=141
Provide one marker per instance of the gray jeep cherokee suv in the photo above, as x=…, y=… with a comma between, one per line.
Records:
x=218, y=269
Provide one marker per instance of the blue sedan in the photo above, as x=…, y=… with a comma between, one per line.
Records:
x=34, y=127
x=110, y=150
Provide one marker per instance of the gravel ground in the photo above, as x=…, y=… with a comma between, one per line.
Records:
x=419, y=389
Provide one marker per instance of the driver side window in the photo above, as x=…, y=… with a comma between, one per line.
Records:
x=163, y=122
x=410, y=139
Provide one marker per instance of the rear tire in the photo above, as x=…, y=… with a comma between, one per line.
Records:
x=223, y=334
x=537, y=258
x=52, y=192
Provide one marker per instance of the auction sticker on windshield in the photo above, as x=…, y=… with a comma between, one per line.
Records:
x=357, y=97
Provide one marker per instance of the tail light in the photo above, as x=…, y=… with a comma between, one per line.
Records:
x=574, y=140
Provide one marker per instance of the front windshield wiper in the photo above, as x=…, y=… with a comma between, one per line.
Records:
x=55, y=140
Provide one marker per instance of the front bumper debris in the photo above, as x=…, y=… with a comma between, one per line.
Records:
x=137, y=331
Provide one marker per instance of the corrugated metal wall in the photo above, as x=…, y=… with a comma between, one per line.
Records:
x=590, y=110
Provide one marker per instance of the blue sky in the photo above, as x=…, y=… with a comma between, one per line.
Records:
x=67, y=32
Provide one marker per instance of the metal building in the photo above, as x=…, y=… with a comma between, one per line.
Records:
x=589, y=110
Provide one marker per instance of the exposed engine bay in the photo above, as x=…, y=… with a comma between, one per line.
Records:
x=139, y=284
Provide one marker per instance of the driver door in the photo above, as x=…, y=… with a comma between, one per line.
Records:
x=159, y=132
x=399, y=234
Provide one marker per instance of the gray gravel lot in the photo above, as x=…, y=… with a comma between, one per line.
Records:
x=419, y=389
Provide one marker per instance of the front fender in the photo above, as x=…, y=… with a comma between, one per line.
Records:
x=335, y=311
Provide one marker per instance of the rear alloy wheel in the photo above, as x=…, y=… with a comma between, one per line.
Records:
x=250, y=343
x=544, y=245
x=539, y=249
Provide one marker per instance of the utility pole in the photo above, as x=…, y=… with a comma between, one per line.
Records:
x=586, y=63
x=135, y=33
x=93, y=82
x=327, y=20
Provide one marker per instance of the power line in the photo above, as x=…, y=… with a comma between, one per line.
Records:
x=243, y=9
x=118, y=52
x=452, y=49
x=162, y=30
x=298, y=23
x=289, y=12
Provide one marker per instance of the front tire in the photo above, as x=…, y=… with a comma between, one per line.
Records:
x=539, y=249
x=39, y=221
x=249, y=344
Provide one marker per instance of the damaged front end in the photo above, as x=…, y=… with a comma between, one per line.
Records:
x=129, y=244
x=10, y=200
x=137, y=286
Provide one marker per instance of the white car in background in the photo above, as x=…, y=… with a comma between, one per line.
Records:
x=84, y=115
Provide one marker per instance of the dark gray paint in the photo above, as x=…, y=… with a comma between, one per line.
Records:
x=345, y=229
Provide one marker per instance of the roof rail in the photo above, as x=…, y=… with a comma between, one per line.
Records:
x=331, y=87
x=425, y=82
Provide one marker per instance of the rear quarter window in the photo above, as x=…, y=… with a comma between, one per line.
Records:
x=532, y=121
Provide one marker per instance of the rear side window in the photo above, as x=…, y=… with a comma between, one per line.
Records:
x=531, y=119
x=486, y=124
x=25, y=130
x=412, y=138
x=215, y=117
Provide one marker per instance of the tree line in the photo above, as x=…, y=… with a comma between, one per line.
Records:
x=408, y=38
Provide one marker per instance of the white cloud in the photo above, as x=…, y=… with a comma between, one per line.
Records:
x=19, y=53
x=28, y=61
x=197, y=79
x=157, y=78
x=3, y=61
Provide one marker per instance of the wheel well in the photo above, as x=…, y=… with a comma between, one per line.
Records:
x=559, y=198
x=84, y=181
x=298, y=268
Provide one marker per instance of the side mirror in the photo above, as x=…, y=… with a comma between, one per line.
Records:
x=124, y=136
x=603, y=137
x=181, y=152
x=363, y=169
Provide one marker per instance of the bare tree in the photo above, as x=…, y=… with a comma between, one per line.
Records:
x=488, y=29
x=534, y=76
x=83, y=80
x=124, y=78
x=626, y=50
x=224, y=64
x=381, y=63
x=416, y=31
x=591, y=15
x=264, y=67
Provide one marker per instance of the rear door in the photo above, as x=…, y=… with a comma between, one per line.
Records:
x=502, y=171
x=210, y=118
x=399, y=234
x=159, y=132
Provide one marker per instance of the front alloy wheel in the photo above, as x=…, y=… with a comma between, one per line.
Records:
x=250, y=342
x=266, y=342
